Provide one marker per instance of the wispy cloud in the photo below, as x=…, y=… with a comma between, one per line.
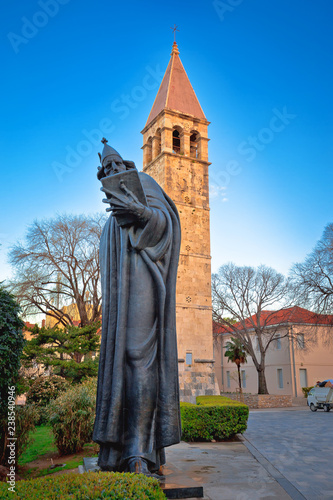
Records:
x=216, y=191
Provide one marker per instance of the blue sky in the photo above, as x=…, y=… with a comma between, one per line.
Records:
x=74, y=71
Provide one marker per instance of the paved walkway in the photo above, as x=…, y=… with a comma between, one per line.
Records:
x=285, y=454
x=298, y=445
x=227, y=471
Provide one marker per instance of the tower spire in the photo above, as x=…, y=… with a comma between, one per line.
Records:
x=176, y=92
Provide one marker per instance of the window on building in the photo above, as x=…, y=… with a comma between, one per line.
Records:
x=300, y=341
x=278, y=341
x=188, y=358
x=280, y=378
x=243, y=375
x=228, y=379
x=303, y=377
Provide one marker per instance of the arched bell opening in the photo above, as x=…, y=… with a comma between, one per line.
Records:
x=177, y=141
x=194, y=144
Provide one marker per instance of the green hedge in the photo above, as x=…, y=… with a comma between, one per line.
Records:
x=217, y=401
x=91, y=485
x=217, y=420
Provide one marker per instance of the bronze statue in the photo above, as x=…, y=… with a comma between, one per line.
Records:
x=137, y=409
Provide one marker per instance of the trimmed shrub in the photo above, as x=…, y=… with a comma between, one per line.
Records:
x=217, y=401
x=207, y=422
x=44, y=390
x=306, y=390
x=92, y=485
x=72, y=417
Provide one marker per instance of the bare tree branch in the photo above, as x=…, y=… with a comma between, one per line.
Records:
x=312, y=280
x=58, y=265
x=247, y=295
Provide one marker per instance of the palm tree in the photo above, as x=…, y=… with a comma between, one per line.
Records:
x=236, y=354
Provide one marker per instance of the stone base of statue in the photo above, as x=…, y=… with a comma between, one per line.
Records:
x=174, y=483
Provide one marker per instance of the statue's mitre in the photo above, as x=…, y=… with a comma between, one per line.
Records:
x=108, y=151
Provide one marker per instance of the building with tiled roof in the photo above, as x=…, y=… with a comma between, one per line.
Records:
x=301, y=355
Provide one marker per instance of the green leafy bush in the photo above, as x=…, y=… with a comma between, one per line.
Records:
x=25, y=418
x=306, y=390
x=205, y=422
x=72, y=417
x=46, y=388
x=42, y=391
x=92, y=485
x=11, y=346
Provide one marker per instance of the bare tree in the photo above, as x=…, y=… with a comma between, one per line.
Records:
x=313, y=280
x=58, y=265
x=248, y=295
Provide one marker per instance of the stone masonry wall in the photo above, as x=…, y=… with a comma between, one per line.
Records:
x=261, y=400
x=196, y=381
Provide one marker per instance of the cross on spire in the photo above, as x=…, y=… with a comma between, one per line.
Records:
x=104, y=141
x=174, y=29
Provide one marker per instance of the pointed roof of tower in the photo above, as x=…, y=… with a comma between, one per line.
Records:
x=176, y=91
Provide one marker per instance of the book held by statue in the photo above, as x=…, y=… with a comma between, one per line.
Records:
x=112, y=187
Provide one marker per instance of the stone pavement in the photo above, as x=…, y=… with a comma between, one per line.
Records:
x=296, y=447
x=285, y=453
x=226, y=470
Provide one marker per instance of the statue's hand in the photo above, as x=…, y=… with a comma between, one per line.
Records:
x=127, y=203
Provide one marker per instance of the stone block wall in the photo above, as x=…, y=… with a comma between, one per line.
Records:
x=196, y=380
x=257, y=401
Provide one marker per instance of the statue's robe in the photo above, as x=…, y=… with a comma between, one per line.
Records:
x=137, y=409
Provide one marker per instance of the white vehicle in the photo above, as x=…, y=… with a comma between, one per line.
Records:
x=320, y=397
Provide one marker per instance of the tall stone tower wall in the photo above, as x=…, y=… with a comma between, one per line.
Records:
x=183, y=174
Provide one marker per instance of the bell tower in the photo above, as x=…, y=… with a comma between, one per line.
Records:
x=175, y=154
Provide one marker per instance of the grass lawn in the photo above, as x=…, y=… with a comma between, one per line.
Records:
x=42, y=448
x=43, y=442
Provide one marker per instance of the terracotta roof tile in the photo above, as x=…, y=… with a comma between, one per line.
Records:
x=176, y=92
x=290, y=315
